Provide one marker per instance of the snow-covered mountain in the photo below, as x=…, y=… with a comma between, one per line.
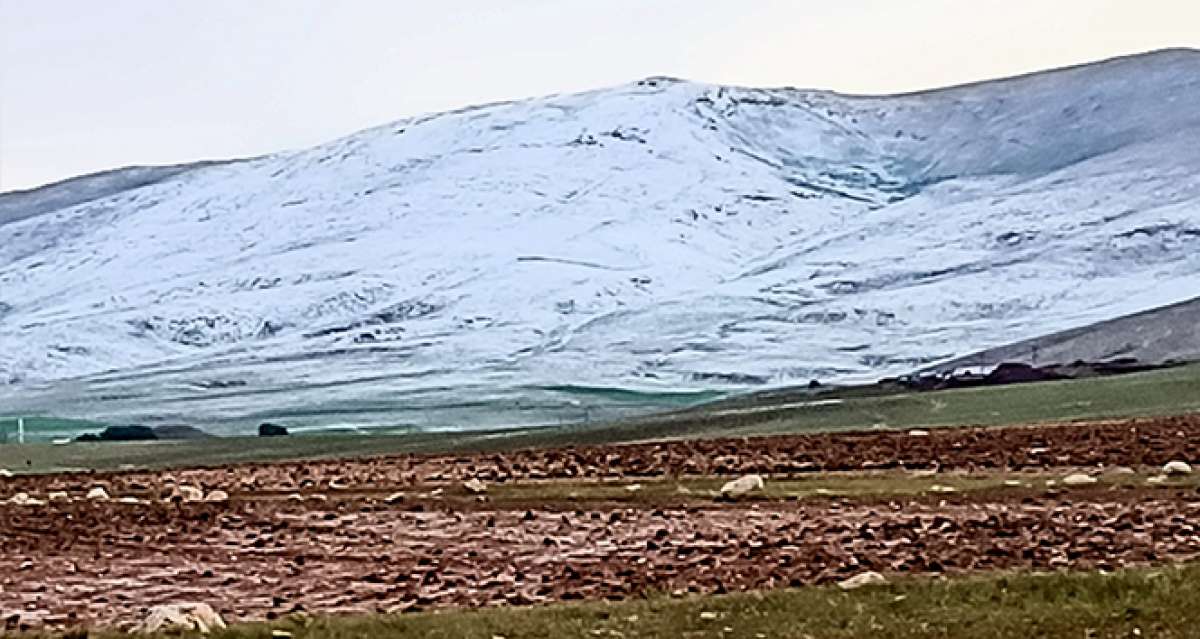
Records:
x=497, y=262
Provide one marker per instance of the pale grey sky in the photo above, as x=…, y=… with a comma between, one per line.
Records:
x=87, y=85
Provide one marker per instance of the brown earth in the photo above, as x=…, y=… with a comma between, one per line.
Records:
x=342, y=548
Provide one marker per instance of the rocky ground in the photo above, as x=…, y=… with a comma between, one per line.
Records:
x=404, y=532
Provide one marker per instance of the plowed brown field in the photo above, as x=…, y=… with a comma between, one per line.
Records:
x=319, y=536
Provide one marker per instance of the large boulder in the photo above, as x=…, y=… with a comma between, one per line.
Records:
x=267, y=429
x=1079, y=479
x=869, y=578
x=1177, y=468
x=182, y=617
x=742, y=486
x=187, y=493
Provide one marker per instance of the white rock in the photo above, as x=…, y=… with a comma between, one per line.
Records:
x=23, y=499
x=58, y=496
x=1157, y=479
x=708, y=615
x=1012, y=483
x=474, y=485
x=743, y=486
x=217, y=496
x=917, y=432
x=394, y=498
x=633, y=488
x=190, y=493
x=5, y=473
x=1079, y=479
x=1177, y=468
x=869, y=578
x=97, y=494
x=1121, y=470
x=198, y=617
x=938, y=488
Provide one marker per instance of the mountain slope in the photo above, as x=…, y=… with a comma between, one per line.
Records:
x=659, y=236
x=1170, y=333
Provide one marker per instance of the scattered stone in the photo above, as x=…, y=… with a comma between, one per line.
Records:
x=743, y=486
x=708, y=615
x=1079, y=479
x=869, y=578
x=474, y=485
x=268, y=429
x=1121, y=470
x=97, y=494
x=1012, y=483
x=188, y=493
x=198, y=617
x=1177, y=468
x=132, y=501
x=295, y=497
x=280, y=634
x=633, y=488
x=917, y=432
x=217, y=496
x=58, y=496
x=938, y=488
x=23, y=499
x=1157, y=479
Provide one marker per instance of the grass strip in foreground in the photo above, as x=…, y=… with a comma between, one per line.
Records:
x=1163, y=602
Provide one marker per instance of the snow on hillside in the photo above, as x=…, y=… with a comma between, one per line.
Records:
x=662, y=236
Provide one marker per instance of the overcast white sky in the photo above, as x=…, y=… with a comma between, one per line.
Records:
x=94, y=84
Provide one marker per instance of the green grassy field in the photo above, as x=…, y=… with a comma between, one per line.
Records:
x=1160, y=392
x=1161, y=603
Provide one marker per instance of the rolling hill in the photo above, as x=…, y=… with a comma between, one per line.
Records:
x=596, y=254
